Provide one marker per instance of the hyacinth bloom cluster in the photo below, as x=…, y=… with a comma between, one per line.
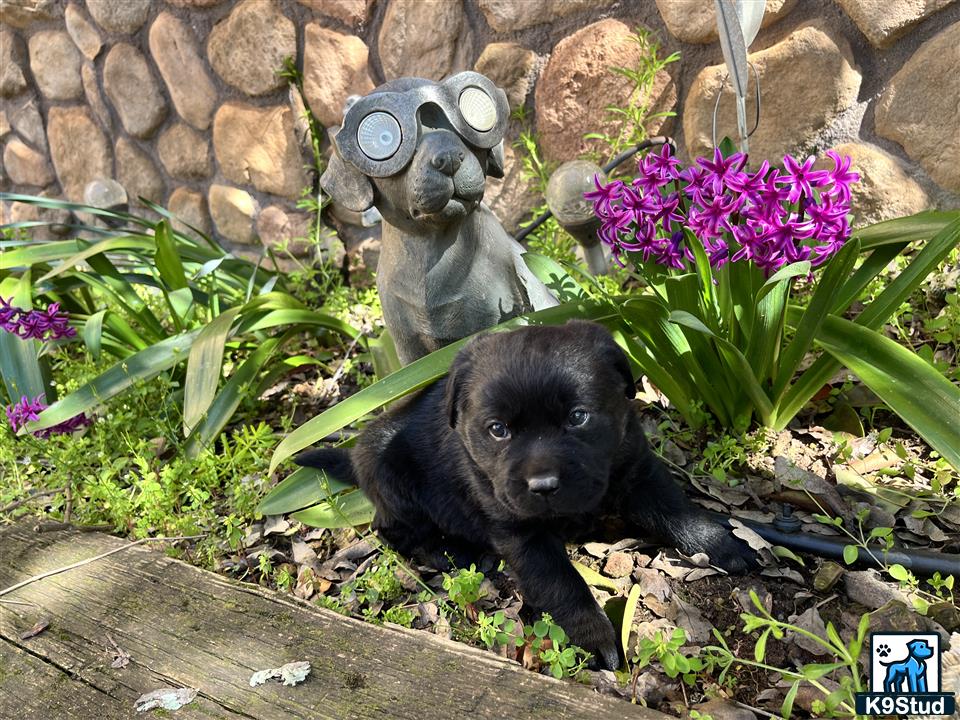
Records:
x=27, y=410
x=49, y=324
x=772, y=217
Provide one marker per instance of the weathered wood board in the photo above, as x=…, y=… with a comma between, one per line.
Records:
x=185, y=627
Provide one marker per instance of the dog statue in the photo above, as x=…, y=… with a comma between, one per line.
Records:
x=419, y=152
x=913, y=669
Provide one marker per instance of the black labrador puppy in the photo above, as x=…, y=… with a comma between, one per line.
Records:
x=528, y=444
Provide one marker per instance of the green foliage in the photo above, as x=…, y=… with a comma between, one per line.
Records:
x=844, y=669
x=550, y=644
x=158, y=301
x=666, y=650
x=632, y=120
x=463, y=588
x=127, y=470
x=495, y=629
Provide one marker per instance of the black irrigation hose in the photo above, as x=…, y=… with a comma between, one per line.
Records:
x=615, y=162
x=920, y=562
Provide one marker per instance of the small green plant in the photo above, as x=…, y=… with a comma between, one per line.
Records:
x=378, y=584
x=634, y=118
x=399, y=615
x=549, y=644
x=666, y=650
x=463, y=587
x=942, y=586
x=844, y=670
x=495, y=629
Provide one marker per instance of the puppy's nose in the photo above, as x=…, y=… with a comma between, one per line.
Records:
x=543, y=484
x=447, y=161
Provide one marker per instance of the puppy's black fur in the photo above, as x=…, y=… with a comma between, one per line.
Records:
x=529, y=442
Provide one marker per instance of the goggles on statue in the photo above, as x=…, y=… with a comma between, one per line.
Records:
x=380, y=131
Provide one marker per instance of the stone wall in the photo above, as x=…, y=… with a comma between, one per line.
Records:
x=179, y=100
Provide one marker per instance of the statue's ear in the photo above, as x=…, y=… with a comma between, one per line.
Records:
x=346, y=185
x=495, y=161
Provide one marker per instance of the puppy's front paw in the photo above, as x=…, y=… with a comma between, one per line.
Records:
x=724, y=549
x=593, y=631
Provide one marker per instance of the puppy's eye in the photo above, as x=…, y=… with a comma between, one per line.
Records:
x=578, y=417
x=498, y=430
x=478, y=109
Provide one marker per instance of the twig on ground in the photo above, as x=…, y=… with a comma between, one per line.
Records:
x=75, y=565
x=54, y=525
x=756, y=710
x=32, y=496
x=68, y=503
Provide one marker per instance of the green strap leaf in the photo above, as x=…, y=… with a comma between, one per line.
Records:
x=823, y=299
x=555, y=277
x=303, y=487
x=919, y=227
x=276, y=318
x=737, y=362
x=203, y=368
x=93, y=332
x=23, y=373
x=140, y=366
x=232, y=393
x=925, y=399
x=33, y=254
x=348, y=509
x=872, y=317
x=126, y=242
x=167, y=258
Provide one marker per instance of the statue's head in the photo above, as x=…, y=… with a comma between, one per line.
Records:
x=419, y=151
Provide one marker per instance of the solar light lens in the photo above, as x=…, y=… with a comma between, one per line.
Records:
x=379, y=135
x=478, y=109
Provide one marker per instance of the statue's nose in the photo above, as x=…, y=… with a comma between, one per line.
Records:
x=447, y=161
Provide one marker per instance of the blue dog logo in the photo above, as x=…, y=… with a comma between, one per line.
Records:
x=912, y=670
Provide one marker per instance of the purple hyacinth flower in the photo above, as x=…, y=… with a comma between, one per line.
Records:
x=8, y=315
x=750, y=185
x=604, y=195
x=26, y=411
x=801, y=177
x=720, y=170
x=840, y=176
x=663, y=162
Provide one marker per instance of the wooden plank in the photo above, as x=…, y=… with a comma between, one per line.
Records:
x=185, y=627
x=33, y=689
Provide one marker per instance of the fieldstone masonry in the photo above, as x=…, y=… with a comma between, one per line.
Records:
x=180, y=100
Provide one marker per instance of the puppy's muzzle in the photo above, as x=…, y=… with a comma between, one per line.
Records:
x=543, y=485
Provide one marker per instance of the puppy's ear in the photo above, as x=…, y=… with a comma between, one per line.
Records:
x=455, y=395
x=620, y=363
x=611, y=354
x=455, y=398
x=495, y=161
x=346, y=185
